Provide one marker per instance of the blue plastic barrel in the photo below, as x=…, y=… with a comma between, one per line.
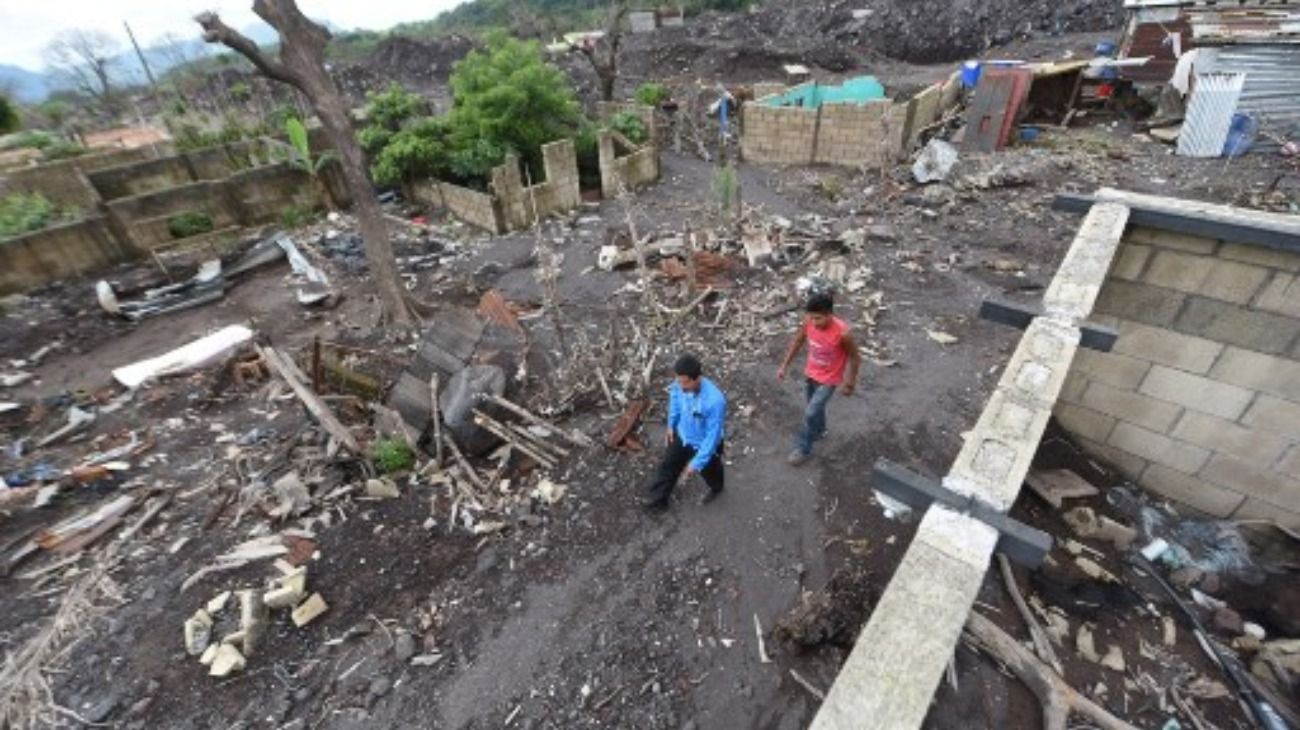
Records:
x=970, y=74
x=1105, y=49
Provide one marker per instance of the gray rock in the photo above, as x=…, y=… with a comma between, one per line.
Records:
x=404, y=647
x=101, y=709
x=379, y=686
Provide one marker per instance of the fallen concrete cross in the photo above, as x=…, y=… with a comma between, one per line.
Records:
x=903, y=651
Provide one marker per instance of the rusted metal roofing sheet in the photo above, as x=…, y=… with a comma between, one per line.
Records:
x=1209, y=114
x=1151, y=37
x=1218, y=25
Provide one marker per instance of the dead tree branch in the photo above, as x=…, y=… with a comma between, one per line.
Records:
x=1057, y=698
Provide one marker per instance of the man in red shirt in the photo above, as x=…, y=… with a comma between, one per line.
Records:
x=831, y=352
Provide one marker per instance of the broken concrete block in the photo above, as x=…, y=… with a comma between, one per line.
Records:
x=1084, y=644
x=310, y=610
x=1095, y=571
x=198, y=632
x=254, y=617
x=289, y=592
x=235, y=639
x=1087, y=523
x=1114, y=659
x=1169, y=630
x=1057, y=485
x=218, y=602
x=226, y=661
x=470, y=389
x=293, y=495
x=209, y=654
x=382, y=488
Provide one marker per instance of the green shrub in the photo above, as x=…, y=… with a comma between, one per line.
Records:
x=726, y=192
x=33, y=138
x=23, y=213
x=651, y=94
x=62, y=150
x=392, y=455
x=296, y=216
x=393, y=107
x=417, y=152
x=629, y=125
x=189, y=223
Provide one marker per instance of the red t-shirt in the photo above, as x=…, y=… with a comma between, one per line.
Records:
x=826, y=355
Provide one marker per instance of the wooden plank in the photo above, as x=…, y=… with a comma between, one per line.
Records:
x=292, y=375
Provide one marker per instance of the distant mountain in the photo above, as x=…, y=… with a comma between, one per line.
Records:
x=28, y=87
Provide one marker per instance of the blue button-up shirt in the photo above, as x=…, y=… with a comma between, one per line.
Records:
x=699, y=419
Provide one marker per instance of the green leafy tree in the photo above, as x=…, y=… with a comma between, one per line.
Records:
x=391, y=108
x=8, y=116
x=508, y=98
x=417, y=152
x=651, y=94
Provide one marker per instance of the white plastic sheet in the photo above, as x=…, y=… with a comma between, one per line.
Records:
x=189, y=357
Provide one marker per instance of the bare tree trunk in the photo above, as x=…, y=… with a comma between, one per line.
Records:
x=603, y=54
x=301, y=64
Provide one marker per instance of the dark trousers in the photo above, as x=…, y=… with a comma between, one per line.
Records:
x=675, y=459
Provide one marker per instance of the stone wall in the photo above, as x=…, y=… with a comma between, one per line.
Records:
x=138, y=178
x=511, y=205
x=247, y=198
x=475, y=208
x=627, y=172
x=72, y=249
x=520, y=204
x=62, y=183
x=65, y=182
x=1200, y=399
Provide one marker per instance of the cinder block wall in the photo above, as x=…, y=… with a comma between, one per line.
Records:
x=1200, y=399
x=836, y=134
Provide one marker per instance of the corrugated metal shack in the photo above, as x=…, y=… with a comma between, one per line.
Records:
x=1258, y=38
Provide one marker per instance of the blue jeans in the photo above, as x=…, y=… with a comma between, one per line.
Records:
x=814, y=415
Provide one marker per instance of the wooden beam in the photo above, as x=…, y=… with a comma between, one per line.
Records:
x=1020, y=315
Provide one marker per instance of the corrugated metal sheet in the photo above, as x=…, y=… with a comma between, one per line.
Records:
x=1271, y=95
x=1218, y=25
x=1209, y=115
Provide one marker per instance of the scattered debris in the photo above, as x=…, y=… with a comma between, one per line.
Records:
x=935, y=162
x=310, y=610
x=1057, y=485
x=1087, y=523
x=941, y=337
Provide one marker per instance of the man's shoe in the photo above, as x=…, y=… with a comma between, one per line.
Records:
x=709, y=496
x=797, y=458
x=654, y=504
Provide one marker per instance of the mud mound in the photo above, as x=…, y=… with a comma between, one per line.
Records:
x=917, y=31
x=833, y=615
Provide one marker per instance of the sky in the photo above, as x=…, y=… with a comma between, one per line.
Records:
x=27, y=25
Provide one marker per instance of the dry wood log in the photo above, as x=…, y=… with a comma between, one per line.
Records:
x=437, y=418
x=1057, y=698
x=286, y=369
x=464, y=464
x=504, y=434
x=577, y=438
x=1042, y=644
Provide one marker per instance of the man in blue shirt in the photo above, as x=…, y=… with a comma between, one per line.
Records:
x=697, y=416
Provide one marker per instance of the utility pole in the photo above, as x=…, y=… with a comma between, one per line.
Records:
x=148, y=72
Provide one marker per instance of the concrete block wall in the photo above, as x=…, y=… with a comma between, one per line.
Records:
x=138, y=178
x=837, y=134
x=778, y=135
x=1200, y=400
x=627, y=172
x=62, y=183
x=856, y=135
x=557, y=194
x=72, y=249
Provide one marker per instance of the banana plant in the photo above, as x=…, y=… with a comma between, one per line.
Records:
x=297, y=152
